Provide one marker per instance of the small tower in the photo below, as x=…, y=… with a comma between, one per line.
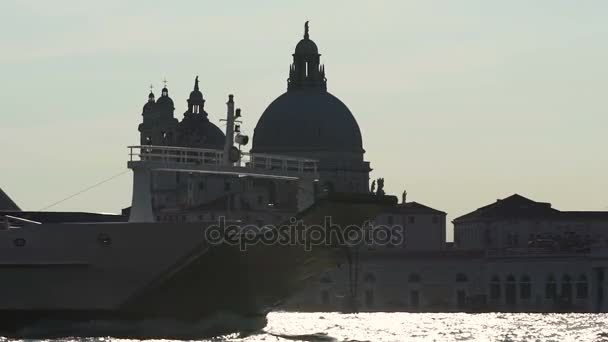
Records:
x=196, y=102
x=165, y=104
x=306, y=71
x=159, y=125
x=150, y=110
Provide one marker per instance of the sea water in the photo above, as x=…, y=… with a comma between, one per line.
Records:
x=380, y=327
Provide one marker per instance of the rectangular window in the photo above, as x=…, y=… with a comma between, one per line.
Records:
x=550, y=290
x=581, y=290
x=525, y=290
x=324, y=297
x=369, y=298
x=414, y=298
x=495, y=291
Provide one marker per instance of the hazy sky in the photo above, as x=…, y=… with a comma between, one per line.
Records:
x=459, y=102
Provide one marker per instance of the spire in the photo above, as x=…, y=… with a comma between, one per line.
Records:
x=306, y=30
x=196, y=84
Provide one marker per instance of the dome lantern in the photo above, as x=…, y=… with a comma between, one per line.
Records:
x=306, y=70
x=196, y=102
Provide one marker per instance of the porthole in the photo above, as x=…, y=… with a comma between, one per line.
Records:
x=104, y=239
x=19, y=242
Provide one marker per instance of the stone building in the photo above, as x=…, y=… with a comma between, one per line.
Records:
x=519, y=222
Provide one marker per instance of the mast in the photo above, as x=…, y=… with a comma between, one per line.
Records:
x=229, y=130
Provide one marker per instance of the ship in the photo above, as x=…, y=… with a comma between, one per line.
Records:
x=59, y=277
x=87, y=274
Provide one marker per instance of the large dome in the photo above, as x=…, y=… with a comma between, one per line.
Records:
x=307, y=120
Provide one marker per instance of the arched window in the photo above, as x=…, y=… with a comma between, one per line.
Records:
x=369, y=298
x=461, y=278
x=550, y=287
x=511, y=290
x=566, y=287
x=414, y=278
x=582, y=288
x=495, y=287
x=525, y=287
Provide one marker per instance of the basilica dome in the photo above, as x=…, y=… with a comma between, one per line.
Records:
x=307, y=118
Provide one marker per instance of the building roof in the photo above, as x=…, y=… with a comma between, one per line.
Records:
x=6, y=203
x=414, y=208
x=518, y=207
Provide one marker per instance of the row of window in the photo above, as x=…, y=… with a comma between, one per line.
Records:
x=580, y=286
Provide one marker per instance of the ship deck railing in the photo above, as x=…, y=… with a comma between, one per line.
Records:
x=214, y=157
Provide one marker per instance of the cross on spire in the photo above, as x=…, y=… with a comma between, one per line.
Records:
x=151, y=88
x=165, y=82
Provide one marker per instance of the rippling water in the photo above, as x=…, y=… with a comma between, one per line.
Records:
x=380, y=327
x=432, y=327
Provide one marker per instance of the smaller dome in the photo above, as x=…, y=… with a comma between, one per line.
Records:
x=307, y=47
x=198, y=132
x=165, y=101
x=149, y=107
x=196, y=96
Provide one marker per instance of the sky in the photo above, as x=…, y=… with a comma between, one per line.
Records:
x=459, y=102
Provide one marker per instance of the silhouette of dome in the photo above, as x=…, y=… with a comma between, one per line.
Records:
x=195, y=130
x=196, y=96
x=307, y=120
x=165, y=102
x=150, y=106
x=307, y=47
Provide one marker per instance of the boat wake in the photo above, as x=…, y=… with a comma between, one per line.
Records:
x=318, y=337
